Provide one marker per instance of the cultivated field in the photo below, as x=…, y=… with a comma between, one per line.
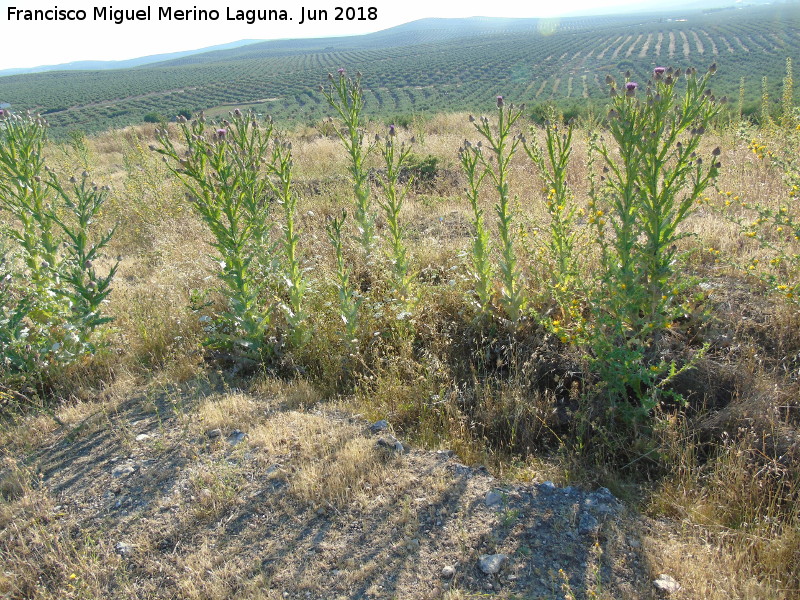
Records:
x=428, y=67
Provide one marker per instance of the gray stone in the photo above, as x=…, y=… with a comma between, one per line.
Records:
x=389, y=442
x=236, y=436
x=666, y=583
x=548, y=487
x=448, y=572
x=493, y=498
x=142, y=437
x=588, y=524
x=379, y=426
x=214, y=433
x=124, y=470
x=124, y=549
x=491, y=563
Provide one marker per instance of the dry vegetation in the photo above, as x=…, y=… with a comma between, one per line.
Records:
x=714, y=485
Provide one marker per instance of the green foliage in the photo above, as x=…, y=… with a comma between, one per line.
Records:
x=281, y=185
x=395, y=159
x=153, y=117
x=345, y=96
x=222, y=172
x=502, y=146
x=788, y=116
x=654, y=178
x=51, y=293
x=348, y=299
x=480, y=251
x=552, y=162
x=423, y=170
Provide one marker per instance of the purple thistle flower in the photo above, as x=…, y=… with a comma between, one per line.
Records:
x=221, y=132
x=340, y=70
x=2, y=112
x=499, y=102
x=631, y=86
x=391, y=130
x=659, y=72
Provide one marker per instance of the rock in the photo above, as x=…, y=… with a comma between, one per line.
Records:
x=492, y=563
x=124, y=470
x=548, y=487
x=602, y=501
x=236, y=436
x=124, y=549
x=214, y=433
x=666, y=583
x=391, y=443
x=142, y=437
x=588, y=524
x=493, y=498
x=413, y=545
x=379, y=426
x=445, y=453
x=448, y=572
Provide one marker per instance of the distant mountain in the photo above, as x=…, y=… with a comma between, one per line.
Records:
x=103, y=65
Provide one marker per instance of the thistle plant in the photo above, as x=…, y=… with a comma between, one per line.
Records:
x=502, y=146
x=765, y=120
x=86, y=290
x=348, y=300
x=552, y=162
x=788, y=116
x=51, y=294
x=652, y=185
x=222, y=170
x=281, y=185
x=24, y=194
x=473, y=166
x=395, y=158
x=345, y=96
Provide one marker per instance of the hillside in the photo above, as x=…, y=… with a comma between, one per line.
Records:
x=98, y=65
x=427, y=66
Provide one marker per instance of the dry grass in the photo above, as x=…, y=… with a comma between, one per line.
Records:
x=725, y=494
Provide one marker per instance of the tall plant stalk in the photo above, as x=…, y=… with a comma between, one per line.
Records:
x=345, y=96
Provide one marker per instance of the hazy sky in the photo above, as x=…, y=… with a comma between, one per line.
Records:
x=33, y=43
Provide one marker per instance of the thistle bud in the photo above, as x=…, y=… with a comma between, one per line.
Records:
x=499, y=102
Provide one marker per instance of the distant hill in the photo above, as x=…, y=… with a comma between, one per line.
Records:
x=102, y=65
x=431, y=65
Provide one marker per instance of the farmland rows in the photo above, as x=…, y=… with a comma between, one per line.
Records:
x=427, y=69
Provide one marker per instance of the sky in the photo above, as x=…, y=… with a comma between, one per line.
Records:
x=25, y=43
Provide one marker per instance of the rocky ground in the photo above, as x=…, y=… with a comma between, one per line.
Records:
x=243, y=495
